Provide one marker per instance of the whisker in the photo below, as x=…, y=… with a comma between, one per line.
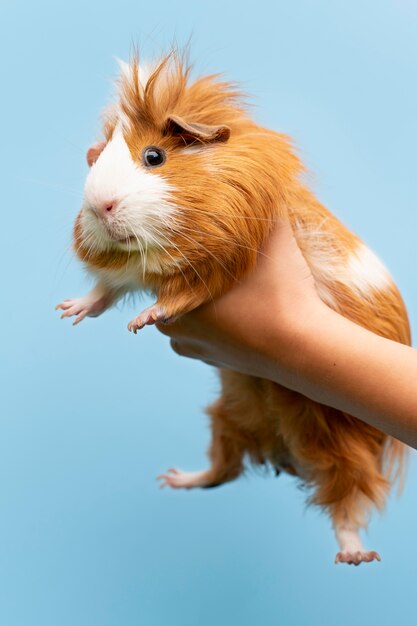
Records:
x=141, y=250
x=209, y=252
x=91, y=247
x=160, y=234
x=192, y=240
x=225, y=240
x=145, y=259
x=58, y=267
x=89, y=242
x=219, y=216
x=180, y=228
x=128, y=248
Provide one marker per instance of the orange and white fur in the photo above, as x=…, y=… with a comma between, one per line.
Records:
x=182, y=192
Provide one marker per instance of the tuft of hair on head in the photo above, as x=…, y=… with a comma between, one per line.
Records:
x=159, y=94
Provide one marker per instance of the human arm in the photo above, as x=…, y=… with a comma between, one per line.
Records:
x=275, y=326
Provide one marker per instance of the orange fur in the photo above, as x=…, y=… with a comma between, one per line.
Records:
x=229, y=193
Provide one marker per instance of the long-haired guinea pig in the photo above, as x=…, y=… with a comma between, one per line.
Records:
x=181, y=193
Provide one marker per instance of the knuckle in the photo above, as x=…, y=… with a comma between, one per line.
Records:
x=178, y=347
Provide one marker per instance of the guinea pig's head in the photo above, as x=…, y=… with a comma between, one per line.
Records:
x=181, y=178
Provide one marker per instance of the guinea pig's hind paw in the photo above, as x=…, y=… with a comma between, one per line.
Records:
x=151, y=315
x=183, y=480
x=356, y=558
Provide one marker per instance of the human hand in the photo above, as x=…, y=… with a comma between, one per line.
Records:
x=256, y=326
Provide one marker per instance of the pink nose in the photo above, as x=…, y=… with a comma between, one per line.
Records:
x=105, y=208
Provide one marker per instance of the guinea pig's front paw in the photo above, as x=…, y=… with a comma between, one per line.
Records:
x=151, y=315
x=81, y=307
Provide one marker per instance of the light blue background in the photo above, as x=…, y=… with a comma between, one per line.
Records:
x=90, y=415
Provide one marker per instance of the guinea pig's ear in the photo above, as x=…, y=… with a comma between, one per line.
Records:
x=94, y=152
x=192, y=131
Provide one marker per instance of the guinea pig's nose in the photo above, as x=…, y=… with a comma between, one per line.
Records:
x=109, y=207
x=105, y=208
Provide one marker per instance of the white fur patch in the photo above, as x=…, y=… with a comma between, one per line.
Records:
x=366, y=271
x=126, y=71
x=144, y=71
x=348, y=539
x=320, y=253
x=143, y=202
x=361, y=271
x=196, y=149
x=205, y=153
x=126, y=279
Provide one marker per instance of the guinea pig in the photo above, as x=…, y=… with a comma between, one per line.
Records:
x=182, y=191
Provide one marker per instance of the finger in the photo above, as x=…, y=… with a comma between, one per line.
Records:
x=182, y=348
x=178, y=347
x=171, y=328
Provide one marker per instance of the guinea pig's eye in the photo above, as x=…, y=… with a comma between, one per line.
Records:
x=153, y=156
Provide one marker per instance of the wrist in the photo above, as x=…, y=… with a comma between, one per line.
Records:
x=294, y=346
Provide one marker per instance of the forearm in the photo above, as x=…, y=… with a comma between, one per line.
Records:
x=335, y=362
x=274, y=326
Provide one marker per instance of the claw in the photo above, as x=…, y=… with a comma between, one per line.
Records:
x=358, y=557
x=151, y=315
x=176, y=479
x=81, y=307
